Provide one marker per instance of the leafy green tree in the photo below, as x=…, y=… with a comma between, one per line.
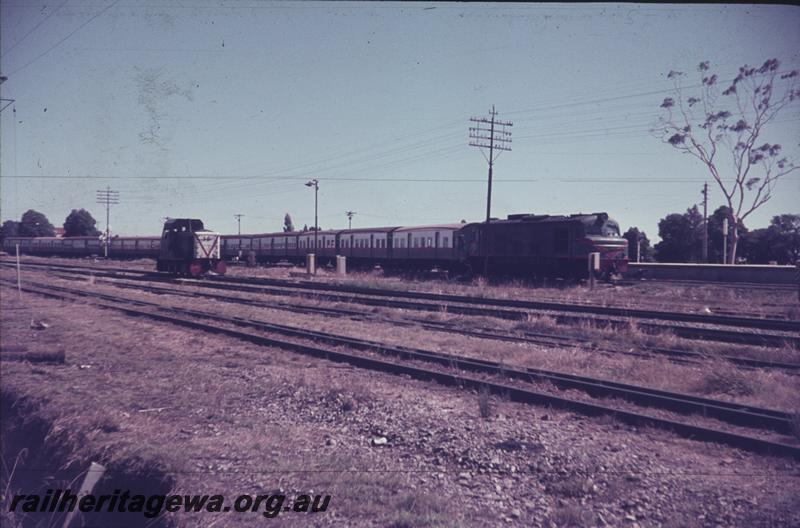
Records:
x=681, y=237
x=10, y=228
x=677, y=239
x=80, y=222
x=723, y=130
x=633, y=235
x=780, y=242
x=288, y=226
x=787, y=229
x=35, y=224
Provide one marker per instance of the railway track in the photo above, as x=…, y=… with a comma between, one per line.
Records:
x=724, y=318
x=410, y=361
x=512, y=309
x=712, y=284
x=538, y=338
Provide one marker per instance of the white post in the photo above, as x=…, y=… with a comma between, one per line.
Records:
x=638, y=249
x=19, y=281
x=311, y=264
x=594, y=265
x=341, y=265
x=93, y=475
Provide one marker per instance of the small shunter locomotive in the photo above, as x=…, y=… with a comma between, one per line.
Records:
x=187, y=248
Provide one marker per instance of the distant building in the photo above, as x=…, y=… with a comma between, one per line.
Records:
x=60, y=232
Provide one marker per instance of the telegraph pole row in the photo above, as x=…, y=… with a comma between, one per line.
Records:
x=108, y=198
x=489, y=133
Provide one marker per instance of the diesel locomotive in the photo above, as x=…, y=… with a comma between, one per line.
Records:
x=187, y=248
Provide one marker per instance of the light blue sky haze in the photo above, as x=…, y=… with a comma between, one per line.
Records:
x=207, y=109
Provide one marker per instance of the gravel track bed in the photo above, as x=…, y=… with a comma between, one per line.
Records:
x=715, y=379
x=250, y=417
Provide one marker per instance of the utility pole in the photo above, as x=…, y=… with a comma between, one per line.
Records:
x=239, y=221
x=350, y=215
x=109, y=198
x=704, y=192
x=315, y=185
x=489, y=133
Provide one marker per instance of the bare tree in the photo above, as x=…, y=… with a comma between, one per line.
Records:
x=722, y=130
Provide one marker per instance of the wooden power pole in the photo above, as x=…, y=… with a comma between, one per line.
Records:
x=489, y=133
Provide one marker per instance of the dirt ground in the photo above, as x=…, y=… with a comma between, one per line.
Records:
x=174, y=409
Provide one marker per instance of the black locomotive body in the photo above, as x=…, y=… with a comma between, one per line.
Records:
x=545, y=246
x=187, y=248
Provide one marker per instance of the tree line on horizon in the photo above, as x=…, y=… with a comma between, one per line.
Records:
x=682, y=239
x=79, y=222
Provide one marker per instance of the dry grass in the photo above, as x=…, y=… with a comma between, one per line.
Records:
x=484, y=403
x=571, y=486
x=796, y=424
x=723, y=378
x=713, y=377
x=572, y=515
x=412, y=510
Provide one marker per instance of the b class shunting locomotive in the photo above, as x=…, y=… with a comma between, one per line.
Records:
x=187, y=248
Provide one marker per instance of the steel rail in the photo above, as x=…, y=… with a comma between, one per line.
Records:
x=727, y=320
x=373, y=299
x=689, y=332
x=533, y=338
x=739, y=322
x=721, y=410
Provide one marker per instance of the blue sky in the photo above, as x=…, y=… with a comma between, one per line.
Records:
x=208, y=109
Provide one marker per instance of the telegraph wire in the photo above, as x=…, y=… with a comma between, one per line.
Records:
x=53, y=12
x=57, y=44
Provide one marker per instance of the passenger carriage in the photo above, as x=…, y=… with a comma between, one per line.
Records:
x=427, y=245
x=326, y=245
x=366, y=245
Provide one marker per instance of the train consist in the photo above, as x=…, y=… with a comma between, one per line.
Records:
x=522, y=244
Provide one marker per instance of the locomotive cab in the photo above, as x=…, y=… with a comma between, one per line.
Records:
x=602, y=235
x=187, y=248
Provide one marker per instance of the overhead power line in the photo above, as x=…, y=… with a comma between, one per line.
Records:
x=57, y=44
x=34, y=28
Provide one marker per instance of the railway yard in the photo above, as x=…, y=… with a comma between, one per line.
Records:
x=409, y=402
